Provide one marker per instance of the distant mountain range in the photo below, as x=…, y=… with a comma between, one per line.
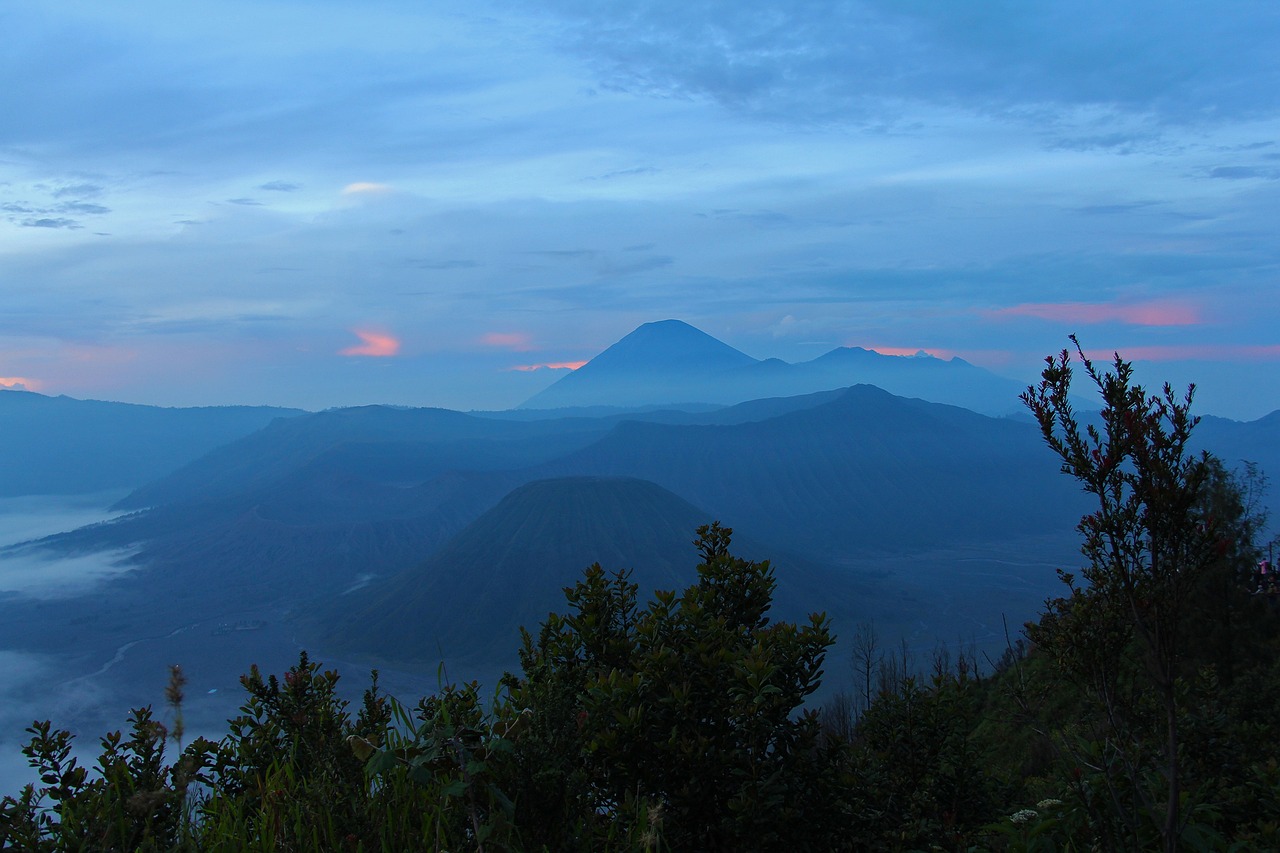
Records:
x=398, y=535
x=59, y=445
x=453, y=521
x=670, y=362
x=508, y=568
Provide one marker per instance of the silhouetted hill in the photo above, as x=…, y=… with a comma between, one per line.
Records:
x=850, y=479
x=382, y=443
x=866, y=471
x=312, y=456
x=1239, y=442
x=508, y=569
x=671, y=362
x=309, y=538
x=60, y=445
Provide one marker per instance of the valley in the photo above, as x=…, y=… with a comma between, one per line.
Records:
x=420, y=541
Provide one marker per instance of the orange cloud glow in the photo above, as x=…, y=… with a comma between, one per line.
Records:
x=1133, y=314
x=909, y=351
x=19, y=382
x=553, y=365
x=518, y=341
x=375, y=344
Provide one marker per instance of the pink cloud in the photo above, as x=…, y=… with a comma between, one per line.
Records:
x=909, y=351
x=518, y=341
x=552, y=365
x=1133, y=314
x=375, y=344
x=20, y=383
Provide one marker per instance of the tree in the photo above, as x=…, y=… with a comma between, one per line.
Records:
x=687, y=709
x=1148, y=546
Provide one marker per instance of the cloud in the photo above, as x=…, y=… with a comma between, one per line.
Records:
x=279, y=186
x=1112, y=209
x=78, y=190
x=910, y=352
x=247, y=202
x=35, y=573
x=376, y=344
x=366, y=188
x=629, y=173
x=1134, y=314
x=551, y=365
x=1242, y=173
x=518, y=341
x=51, y=222
x=19, y=383
x=37, y=216
x=424, y=264
x=812, y=60
x=83, y=207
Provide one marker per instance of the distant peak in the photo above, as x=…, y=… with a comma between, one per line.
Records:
x=670, y=330
x=663, y=362
x=670, y=343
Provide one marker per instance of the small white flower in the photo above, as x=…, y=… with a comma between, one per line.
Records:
x=1049, y=803
x=1024, y=816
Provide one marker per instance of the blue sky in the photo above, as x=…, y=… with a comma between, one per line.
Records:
x=325, y=203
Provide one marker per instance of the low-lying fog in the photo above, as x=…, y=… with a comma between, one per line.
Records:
x=32, y=517
x=31, y=685
x=113, y=660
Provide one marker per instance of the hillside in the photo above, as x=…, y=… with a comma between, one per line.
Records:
x=864, y=472
x=507, y=569
x=60, y=445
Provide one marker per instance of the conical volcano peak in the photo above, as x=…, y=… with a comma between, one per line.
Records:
x=670, y=344
x=669, y=362
x=664, y=362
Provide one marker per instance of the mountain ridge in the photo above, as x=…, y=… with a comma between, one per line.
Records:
x=670, y=362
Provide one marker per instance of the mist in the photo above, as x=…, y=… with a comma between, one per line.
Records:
x=32, y=686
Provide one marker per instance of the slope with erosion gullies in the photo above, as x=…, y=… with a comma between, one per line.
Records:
x=865, y=472
x=467, y=601
x=282, y=554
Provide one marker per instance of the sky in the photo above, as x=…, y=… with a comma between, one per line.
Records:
x=322, y=203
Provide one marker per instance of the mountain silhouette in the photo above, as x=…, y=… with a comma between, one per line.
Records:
x=673, y=363
x=509, y=567
x=61, y=445
x=864, y=472
x=664, y=362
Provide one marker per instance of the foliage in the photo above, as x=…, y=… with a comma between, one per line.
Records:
x=921, y=773
x=1147, y=547
x=687, y=709
x=134, y=802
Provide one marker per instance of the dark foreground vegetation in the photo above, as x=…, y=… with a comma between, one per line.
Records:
x=1136, y=714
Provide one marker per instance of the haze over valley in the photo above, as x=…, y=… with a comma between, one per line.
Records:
x=403, y=538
